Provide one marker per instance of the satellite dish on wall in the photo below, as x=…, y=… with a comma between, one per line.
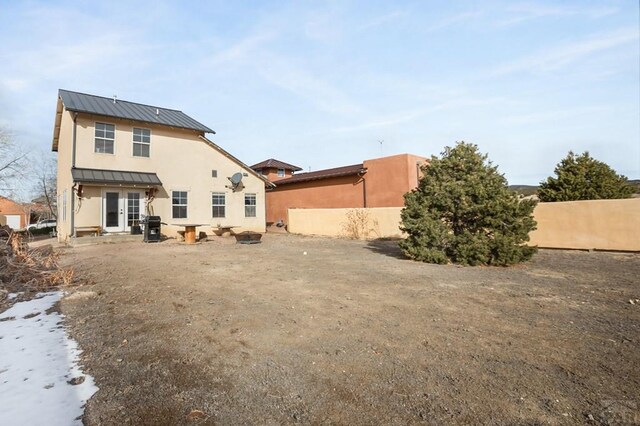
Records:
x=236, y=182
x=236, y=178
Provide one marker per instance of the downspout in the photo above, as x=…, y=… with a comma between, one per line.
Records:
x=361, y=173
x=364, y=192
x=73, y=166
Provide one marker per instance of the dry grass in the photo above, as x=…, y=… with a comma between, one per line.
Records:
x=29, y=270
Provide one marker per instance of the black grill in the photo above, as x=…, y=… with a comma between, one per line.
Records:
x=152, y=227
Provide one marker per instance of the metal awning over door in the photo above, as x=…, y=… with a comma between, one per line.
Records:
x=114, y=177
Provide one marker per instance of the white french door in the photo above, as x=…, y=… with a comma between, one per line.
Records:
x=121, y=208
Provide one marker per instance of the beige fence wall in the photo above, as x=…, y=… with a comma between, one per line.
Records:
x=598, y=224
x=382, y=222
x=601, y=224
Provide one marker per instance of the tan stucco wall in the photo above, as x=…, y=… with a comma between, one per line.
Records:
x=389, y=178
x=272, y=174
x=383, y=222
x=346, y=191
x=602, y=224
x=598, y=224
x=3, y=220
x=64, y=178
x=182, y=161
x=386, y=181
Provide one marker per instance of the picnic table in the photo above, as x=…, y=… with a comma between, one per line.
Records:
x=189, y=231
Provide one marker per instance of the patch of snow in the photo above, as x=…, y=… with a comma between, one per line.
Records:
x=12, y=296
x=37, y=361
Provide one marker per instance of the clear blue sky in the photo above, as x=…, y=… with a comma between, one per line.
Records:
x=319, y=84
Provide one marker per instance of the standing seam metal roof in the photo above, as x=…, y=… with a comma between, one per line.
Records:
x=81, y=102
x=114, y=177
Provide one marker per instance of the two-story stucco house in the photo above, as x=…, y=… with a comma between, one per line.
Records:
x=119, y=160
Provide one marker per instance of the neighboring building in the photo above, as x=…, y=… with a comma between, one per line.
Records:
x=380, y=182
x=119, y=160
x=15, y=214
x=41, y=210
x=275, y=170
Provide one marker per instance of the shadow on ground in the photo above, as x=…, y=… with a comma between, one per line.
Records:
x=388, y=247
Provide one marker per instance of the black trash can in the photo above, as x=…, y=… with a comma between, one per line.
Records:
x=152, y=225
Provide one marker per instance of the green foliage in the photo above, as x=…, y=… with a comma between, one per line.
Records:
x=580, y=177
x=463, y=212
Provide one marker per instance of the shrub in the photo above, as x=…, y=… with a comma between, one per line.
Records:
x=463, y=212
x=359, y=224
x=581, y=177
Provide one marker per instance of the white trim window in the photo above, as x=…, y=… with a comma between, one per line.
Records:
x=280, y=172
x=249, y=205
x=218, y=204
x=105, y=138
x=179, y=204
x=141, y=142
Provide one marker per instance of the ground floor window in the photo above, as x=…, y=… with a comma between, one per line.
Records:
x=179, y=204
x=217, y=204
x=250, y=205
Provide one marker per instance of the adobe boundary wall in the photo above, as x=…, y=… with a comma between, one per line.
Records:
x=383, y=222
x=585, y=225
x=596, y=224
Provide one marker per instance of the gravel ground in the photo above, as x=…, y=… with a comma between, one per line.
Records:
x=352, y=333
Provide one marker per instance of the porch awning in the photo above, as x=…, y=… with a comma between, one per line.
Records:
x=114, y=177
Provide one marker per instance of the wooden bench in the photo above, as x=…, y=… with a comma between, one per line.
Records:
x=94, y=230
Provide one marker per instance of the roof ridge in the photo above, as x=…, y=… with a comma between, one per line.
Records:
x=120, y=100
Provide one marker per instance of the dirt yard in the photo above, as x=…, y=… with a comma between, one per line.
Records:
x=352, y=333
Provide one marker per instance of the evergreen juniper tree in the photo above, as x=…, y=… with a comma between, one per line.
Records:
x=581, y=177
x=463, y=212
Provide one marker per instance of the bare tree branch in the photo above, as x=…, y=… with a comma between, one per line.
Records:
x=14, y=161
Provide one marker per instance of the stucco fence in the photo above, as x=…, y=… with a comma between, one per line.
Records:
x=600, y=225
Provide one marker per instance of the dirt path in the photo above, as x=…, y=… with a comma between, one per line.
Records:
x=351, y=333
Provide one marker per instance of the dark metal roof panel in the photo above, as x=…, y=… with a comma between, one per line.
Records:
x=81, y=102
x=276, y=164
x=114, y=177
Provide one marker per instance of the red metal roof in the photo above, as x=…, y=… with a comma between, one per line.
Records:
x=355, y=169
x=275, y=164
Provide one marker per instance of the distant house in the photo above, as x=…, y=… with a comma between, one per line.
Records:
x=120, y=160
x=275, y=170
x=43, y=208
x=15, y=214
x=380, y=182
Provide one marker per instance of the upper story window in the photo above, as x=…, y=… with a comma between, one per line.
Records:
x=179, y=204
x=141, y=142
x=280, y=172
x=105, y=138
x=250, y=205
